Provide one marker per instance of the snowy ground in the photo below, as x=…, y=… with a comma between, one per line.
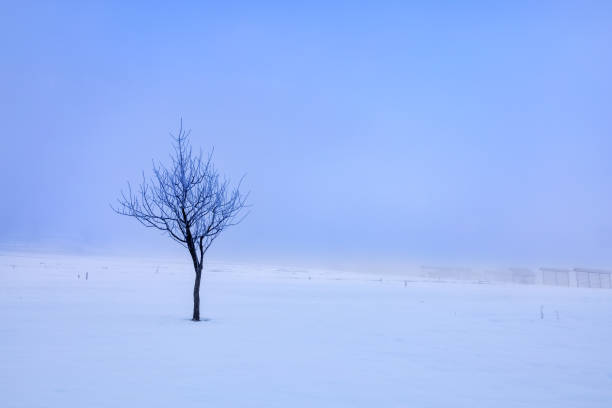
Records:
x=276, y=338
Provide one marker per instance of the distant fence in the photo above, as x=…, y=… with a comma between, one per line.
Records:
x=563, y=277
x=592, y=278
x=555, y=276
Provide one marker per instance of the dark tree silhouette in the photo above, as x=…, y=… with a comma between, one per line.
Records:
x=189, y=201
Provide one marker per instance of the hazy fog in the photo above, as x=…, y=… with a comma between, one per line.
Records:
x=450, y=132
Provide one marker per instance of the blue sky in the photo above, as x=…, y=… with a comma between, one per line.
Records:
x=368, y=131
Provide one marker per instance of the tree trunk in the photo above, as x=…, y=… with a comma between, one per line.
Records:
x=196, y=296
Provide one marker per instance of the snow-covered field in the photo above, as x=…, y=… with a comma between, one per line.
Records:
x=291, y=338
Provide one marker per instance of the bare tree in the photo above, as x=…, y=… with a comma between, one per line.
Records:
x=189, y=201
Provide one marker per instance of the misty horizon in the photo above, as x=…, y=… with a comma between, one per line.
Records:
x=487, y=143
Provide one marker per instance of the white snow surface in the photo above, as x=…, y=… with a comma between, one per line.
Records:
x=287, y=337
